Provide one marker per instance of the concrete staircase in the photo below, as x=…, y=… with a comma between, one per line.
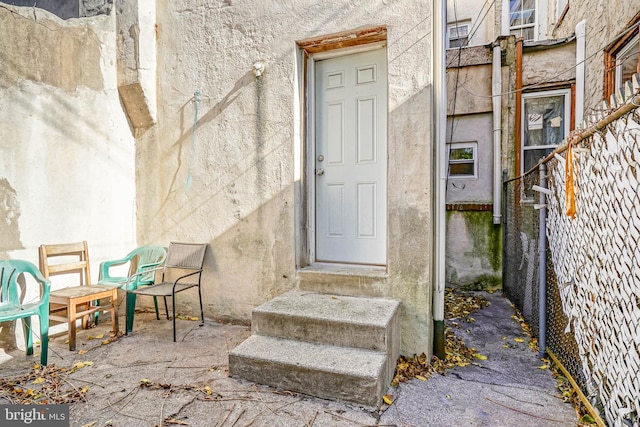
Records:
x=328, y=346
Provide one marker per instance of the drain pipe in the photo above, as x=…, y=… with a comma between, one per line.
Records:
x=439, y=108
x=496, y=88
x=542, y=263
x=580, y=58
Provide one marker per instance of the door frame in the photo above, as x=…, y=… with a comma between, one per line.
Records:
x=309, y=154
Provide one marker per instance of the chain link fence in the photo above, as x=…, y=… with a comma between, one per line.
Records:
x=591, y=277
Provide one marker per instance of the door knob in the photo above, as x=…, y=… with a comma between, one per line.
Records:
x=319, y=172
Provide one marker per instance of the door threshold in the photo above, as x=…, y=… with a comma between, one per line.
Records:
x=345, y=270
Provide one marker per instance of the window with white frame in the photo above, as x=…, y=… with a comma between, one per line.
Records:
x=545, y=123
x=522, y=18
x=463, y=160
x=458, y=35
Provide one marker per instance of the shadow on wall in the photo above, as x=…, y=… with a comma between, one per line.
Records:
x=10, y=232
x=66, y=9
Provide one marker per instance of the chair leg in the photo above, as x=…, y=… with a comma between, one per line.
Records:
x=72, y=327
x=155, y=305
x=96, y=314
x=173, y=301
x=28, y=336
x=44, y=336
x=130, y=310
x=114, y=311
x=201, y=310
x=166, y=308
x=85, y=319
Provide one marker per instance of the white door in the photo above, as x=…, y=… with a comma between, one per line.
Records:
x=351, y=159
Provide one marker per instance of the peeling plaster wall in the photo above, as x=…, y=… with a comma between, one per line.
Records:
x=66, y=152
x=231, y=183
x=551, y=65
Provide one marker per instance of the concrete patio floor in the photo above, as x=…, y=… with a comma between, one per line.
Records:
x=145, y=379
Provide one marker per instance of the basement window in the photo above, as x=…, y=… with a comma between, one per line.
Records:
x=463, y=160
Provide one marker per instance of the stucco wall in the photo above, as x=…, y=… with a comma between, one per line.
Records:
x=550, y=65
x=474, y=250
x=236, y=181
x=473, y=128
x=605, y=20
x=66, y=152
x=479, y=16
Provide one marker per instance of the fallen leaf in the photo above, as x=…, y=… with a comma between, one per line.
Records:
x=448, y=396
x=98, y=337
x=388, y=399
x=504, y=338
x=38, y=380
x=505, y=346
x=480, y=356
x=421, y=378
x=518, y=339
x=89, y=337
x=82, y=351
x=587, y=418
x=543, y=367
x=91, y=424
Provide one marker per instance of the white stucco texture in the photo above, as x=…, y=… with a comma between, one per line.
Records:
x=223, y=170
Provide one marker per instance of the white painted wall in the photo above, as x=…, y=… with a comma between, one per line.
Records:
x=472, y=128
x=480, y=15
x=66, y=151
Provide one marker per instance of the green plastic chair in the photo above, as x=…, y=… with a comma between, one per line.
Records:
x=143, y=262
x=11, y=308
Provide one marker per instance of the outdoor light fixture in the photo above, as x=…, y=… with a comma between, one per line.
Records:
x=258, y=68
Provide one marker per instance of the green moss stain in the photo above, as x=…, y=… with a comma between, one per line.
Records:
x=484, y=245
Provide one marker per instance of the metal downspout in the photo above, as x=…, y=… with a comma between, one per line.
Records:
x=542, y=264
x=580, y=69
x=439, y=108
x=496, y=89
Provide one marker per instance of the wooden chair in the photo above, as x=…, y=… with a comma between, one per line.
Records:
x=79, y=300
x=184, y=261
x=13, y=306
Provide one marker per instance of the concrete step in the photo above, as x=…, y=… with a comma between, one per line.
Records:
x=367, y=323
x=348, y=374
